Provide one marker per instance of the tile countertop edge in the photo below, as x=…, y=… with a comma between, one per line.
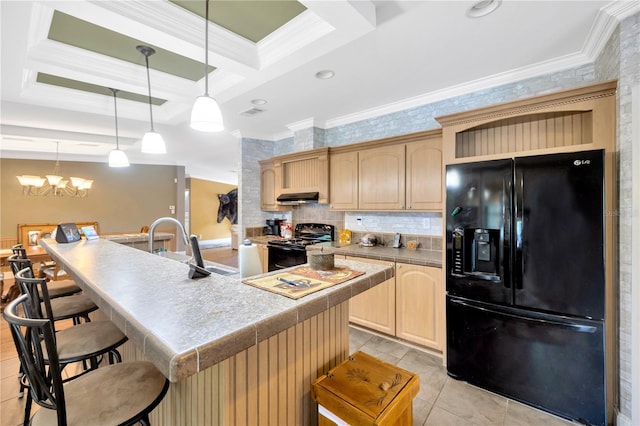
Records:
x=178, y=364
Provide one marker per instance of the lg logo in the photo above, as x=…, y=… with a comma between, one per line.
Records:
x=581, y=162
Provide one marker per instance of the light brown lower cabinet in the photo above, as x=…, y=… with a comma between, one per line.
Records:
x=408, y=306
x=263, y=252
x=376, y=307
x=419, y=305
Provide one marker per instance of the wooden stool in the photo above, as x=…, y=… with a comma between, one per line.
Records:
x=364, y=390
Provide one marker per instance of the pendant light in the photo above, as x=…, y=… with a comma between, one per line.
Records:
x=117, y=158
x=152, y=142
x=206, y=115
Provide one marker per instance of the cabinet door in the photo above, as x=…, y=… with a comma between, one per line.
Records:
x=381, y=180
x=343, y=181
x=268, y=188
x=263, y=251
x=376, y=307
x=419, y=301
x=424, y=175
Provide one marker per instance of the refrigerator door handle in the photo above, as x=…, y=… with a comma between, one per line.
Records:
x=518, y=264
x=581, y=328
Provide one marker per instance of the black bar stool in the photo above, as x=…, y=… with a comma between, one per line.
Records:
x=122, y=394
x=64, y=306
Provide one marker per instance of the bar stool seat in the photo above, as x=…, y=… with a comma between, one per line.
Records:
x=74, y=306
x=63, y=288
x=110, y=395
x=87, y=340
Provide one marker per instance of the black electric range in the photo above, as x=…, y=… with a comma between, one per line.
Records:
x=288, y=252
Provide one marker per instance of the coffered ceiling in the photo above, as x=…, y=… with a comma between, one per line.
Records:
x=60, y=57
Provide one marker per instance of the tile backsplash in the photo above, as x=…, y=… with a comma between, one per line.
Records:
x=425, y=228
x=422, y=224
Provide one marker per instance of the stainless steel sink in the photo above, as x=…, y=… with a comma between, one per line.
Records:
x=182, y=258
x=219, y=271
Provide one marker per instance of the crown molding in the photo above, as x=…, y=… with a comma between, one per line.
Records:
x=605, y=23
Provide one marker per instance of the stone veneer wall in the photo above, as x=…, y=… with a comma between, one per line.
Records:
x=251, y=151
x=419, y=119
x=423, y=117
x=621, y=59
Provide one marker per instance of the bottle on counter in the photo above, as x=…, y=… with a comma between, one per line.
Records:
x=345, y=236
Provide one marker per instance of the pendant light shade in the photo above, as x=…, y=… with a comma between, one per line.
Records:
x=206, y=115
x=152, y=142
x=117, y=157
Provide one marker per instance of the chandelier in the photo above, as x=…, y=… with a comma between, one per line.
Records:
x=54, y=184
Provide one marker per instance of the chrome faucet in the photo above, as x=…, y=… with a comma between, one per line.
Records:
x=158, y=221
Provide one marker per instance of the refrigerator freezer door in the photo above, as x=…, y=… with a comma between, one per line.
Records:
x=479, y=230
x=559, y=213
x=546, y=361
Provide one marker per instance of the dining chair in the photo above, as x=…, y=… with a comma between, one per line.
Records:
x=117, y=394
x=64, y=305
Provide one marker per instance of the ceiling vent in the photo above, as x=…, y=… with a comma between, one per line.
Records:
x=252, y=111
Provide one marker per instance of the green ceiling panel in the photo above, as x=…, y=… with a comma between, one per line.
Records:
x=251, y=19
x=84, y=35
x=92, y=88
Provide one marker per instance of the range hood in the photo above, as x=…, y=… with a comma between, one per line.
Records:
x=298, y=198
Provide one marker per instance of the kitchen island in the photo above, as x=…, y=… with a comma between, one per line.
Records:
x=236, y=354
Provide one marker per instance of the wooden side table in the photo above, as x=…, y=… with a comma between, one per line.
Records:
x=364, y=390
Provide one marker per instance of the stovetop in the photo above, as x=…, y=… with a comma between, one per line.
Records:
x=306, y=234
x=292, y=242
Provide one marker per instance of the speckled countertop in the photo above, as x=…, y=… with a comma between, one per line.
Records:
x=403, y=255
x=184, y=326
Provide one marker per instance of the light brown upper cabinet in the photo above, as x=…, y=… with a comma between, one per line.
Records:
x=381, y=178
x=424, y=175
x=343, y=180
x=305, y=171
x=399, y=173
x=269, y=189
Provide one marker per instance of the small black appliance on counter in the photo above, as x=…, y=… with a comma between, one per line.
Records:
x=273, y=226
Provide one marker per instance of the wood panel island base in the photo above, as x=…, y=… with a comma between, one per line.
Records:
x=268, y=383
x=236, y=355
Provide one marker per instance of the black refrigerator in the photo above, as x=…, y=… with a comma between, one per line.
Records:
x=525, y=279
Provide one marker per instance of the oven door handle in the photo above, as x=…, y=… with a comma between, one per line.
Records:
x=278, y=266
x=286, y=249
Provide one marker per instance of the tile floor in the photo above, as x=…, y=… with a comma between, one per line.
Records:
x=441, y=401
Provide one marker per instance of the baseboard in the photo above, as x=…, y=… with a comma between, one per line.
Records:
x=220, y=242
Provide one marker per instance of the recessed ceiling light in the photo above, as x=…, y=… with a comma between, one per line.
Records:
x=483, y=8
x=259, y=101
x=325, y=74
